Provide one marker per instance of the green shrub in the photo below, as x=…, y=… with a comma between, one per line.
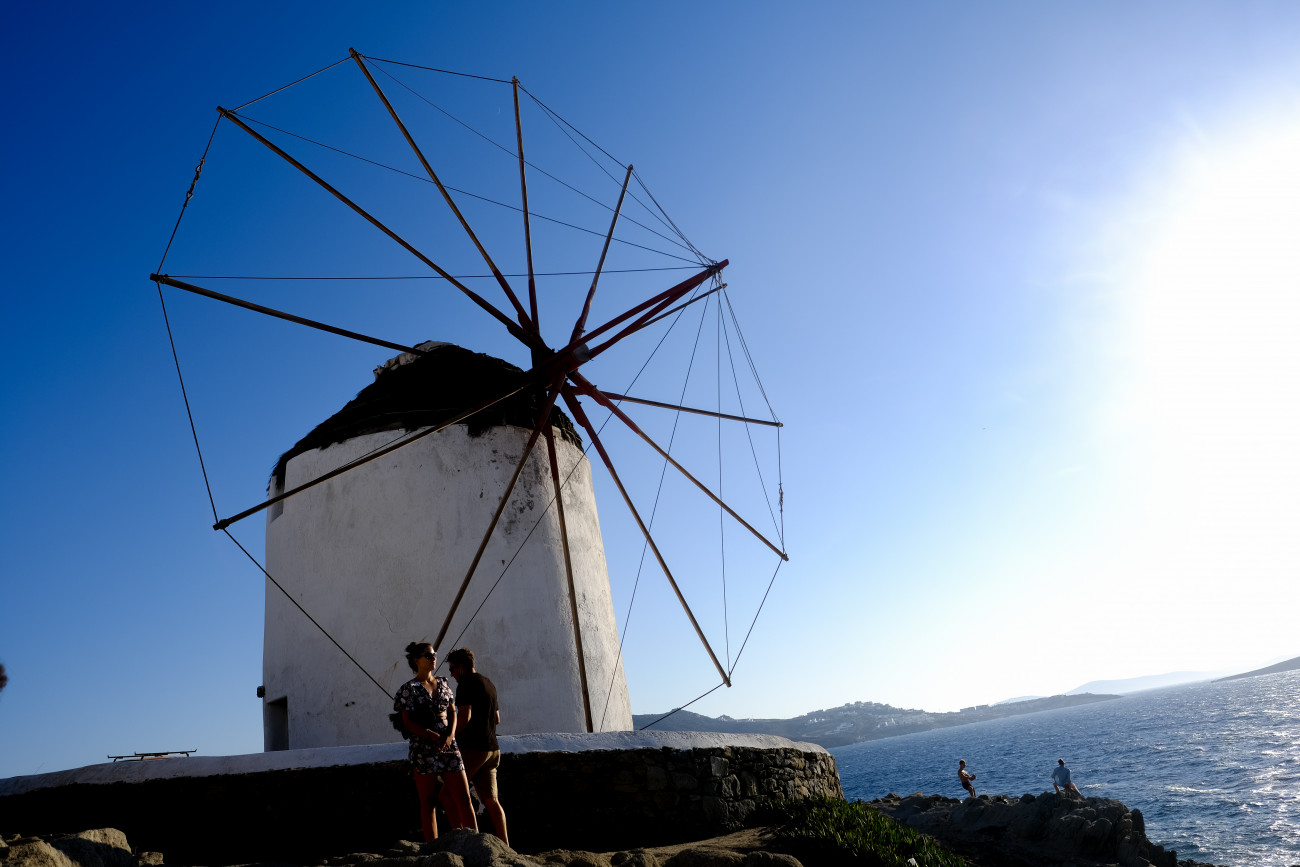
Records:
x=835, y=831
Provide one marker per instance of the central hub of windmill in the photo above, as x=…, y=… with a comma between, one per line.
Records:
x=381, y=555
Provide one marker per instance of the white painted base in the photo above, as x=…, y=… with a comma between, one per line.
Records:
x=377, y=556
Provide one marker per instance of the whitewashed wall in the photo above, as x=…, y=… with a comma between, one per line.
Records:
x=377, y=554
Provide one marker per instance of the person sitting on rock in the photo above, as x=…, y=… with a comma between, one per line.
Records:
x=1061, y=779
x=965, y=776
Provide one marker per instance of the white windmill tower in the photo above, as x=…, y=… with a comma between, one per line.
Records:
x=378, y=556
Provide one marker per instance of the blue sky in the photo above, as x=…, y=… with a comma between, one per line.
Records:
x=1019, y=279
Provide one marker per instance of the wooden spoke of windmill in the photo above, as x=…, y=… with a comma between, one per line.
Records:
x=556, y=373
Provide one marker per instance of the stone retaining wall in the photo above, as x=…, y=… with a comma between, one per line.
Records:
x=658, y=796
x=593, y=792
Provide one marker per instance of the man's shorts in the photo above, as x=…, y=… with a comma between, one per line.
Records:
x=481, y=768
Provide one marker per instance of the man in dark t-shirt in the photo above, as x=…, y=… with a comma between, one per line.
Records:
x=477, y=717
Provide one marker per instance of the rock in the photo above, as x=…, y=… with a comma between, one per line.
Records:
x=635, y=858
x=149, y=859
x=101, y=847
x=701, y=856
x=474, y=849
x=770, y=859
x=402, y=848
x=442, y=859
x=1047, y=829
x=36, y=853
x=354, y=858
x=576, y=859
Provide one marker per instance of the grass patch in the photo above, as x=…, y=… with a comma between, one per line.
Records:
x=831, y=831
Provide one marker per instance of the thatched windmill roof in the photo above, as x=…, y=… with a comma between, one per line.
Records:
x=414, y=391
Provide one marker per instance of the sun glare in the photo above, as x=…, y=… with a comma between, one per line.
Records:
x=1217, y=385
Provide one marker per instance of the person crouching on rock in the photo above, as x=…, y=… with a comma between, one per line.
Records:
x=965, y=776
x=1061, y=779
x=428, y=711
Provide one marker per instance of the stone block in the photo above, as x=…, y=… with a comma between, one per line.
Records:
x=701, y=856
x=403, y=847
x=656, y=779
x=770, y=859
x=398, y=861
x=442, y=859
x=634, y=858
x=685, y=782
x=715, y=811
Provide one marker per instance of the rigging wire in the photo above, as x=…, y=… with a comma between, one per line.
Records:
x=780, y=487
x=731, y=358
x=546, y=108
x=198, y=171
x=682, y=708
x=561, y=123
x=740, y=335
x=268, y=278
x=722, y=513
x=543, y=171
x=487, y=138
x=645, y=545
x=306, y=614
x=762, y=603
x=464, y=192
x=663, y=217
x=609, y=416
x=780, y=481
x=292, y=83
x=435, y=69
x=171, y=339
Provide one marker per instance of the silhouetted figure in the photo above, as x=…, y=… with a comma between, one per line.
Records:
x=478, y=718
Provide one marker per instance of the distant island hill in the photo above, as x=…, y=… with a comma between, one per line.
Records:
x=859, y=721
x=1285, y=665
x=868, y=720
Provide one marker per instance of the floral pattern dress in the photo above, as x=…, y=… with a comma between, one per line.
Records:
x=424, y=753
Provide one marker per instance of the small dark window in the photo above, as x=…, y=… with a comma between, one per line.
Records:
x=275, y=725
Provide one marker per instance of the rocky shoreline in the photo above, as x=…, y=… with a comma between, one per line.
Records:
x=1047, y=830
x=108, y=847
x=1033, y=830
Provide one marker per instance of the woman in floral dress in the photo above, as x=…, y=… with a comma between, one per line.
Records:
x=428, y=709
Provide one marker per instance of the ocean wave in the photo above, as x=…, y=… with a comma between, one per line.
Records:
x=1214, y=769
x=1191, y=790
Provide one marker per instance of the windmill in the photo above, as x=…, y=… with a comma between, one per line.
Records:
x=540, y=451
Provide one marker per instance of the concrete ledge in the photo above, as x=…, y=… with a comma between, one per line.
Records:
x=366, y=754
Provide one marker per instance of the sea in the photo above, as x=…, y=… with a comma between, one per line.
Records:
x=1214, y=767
